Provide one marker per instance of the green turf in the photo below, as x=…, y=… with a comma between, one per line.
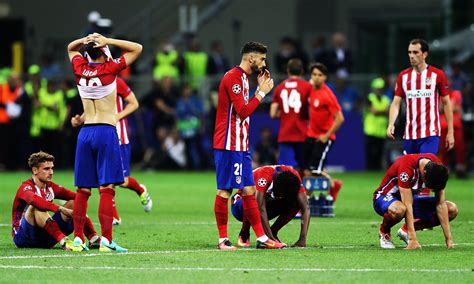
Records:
x=176, y=241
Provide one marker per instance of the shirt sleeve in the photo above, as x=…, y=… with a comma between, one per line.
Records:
x=26, y=193
x=442, y=84
x=334, y=105
x=399, y=88
x=405, y=176
x=117, y=65
x=123, y=89
x=263, y=177
x=77, y=61
x=276, y=95
x=234, y=89
x=63, y=193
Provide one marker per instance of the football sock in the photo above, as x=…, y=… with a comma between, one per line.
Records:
x=53, y=229
x=252, y=214
x=105, y=211
x=114, y=210
x=89, y=230
x=221, y=210
x=388, y=222
x=423, y=224
x=245, y=231
x=135, y=186
x=80, y=209
x=334, y=190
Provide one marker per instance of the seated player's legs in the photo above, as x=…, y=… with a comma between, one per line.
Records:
x=291, y=154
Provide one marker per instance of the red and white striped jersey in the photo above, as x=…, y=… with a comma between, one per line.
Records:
x=404, y=172
x=421, y=92
x=234, y=108
x=123, y=91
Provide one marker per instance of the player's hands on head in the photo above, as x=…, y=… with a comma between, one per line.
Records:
x=100, y=40
x=391, y=131
x=413, y=244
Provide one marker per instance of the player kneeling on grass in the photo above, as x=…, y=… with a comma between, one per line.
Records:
x=32, y=225
x=397, y=198
x=281, y=194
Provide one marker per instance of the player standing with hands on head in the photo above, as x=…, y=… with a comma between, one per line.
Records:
x=421, y=86
x=98, y=162
x=231, y=152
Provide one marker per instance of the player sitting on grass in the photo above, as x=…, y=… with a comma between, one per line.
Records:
x=397, y=198
x=279, y=193
x=32, y=225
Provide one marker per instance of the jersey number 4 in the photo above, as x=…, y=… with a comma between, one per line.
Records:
x=291, y=100
x=94, y=81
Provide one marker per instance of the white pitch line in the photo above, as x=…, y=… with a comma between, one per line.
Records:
x=309, y=269
x=69, y=255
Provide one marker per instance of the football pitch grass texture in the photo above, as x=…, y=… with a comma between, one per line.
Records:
x=176, y=241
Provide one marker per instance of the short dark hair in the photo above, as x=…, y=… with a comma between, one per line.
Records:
x=424, y=45
x=286, y=185
x=436, y=176
x=295, y=67
x=94, y=52
x=253, y=46
x=38, y=158
x=318, y=65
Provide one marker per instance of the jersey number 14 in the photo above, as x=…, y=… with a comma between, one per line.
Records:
x=291, y=100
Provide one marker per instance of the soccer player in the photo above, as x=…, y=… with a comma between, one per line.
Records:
x=290, y=104
x=325, y=118
x=397, y=198
x=421, y=86
x=279, y=193
x=98, y=162
x=127, y=103
x=231, y=153
x=32, y=225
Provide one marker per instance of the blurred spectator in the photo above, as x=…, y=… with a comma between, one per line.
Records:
x=320, y=51
x=173, y=156
x=459, y=145
x=218, y=63
x=375, y=124
x=266, y=149
x=346, y=95
x=339, y=58
x=189, y=113
x=458, y=78
x=74, y=107
x=49, y=68
x=32, y=87
x=195, y=64
x=92, y=18
x=166, y=61
x=287, y=51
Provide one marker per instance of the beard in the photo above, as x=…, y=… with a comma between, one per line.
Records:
x=255, y=68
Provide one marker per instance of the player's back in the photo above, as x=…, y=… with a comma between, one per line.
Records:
x=292, y=97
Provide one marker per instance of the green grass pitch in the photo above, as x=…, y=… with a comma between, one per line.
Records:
x=176, y=241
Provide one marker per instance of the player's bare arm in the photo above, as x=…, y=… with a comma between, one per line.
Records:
x=442, y=213
x=262, y=207
x=305, y=218
x=131, y=49
x=392, y=116
x=448, y=112
x=274, y=110
x=132, y=105
x=407, y=199
x=74, y=46
x=338, y=120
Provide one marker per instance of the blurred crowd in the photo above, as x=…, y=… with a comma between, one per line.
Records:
x=173, y=127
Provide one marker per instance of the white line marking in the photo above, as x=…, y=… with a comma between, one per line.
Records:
x=158, y=252
x=309, y=269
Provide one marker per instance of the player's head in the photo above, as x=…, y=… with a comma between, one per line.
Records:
x=286, y=185
x=42, y=165
x=435, y=176
x=294, y=67
x=418, y=50
x=255, y=54
x=318, y=72
x=93, y=52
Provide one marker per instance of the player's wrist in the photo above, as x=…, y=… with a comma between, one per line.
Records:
x=261, y=93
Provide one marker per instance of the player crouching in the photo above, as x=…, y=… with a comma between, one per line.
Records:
x=281, y=194
x=397, y=198
x=32, y=225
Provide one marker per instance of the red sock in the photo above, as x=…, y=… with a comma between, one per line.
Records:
x=252, y=214
x=334, y=190
x=53, y=229
x=422, y=224
x=80, y=209
x=388, y=222
x=221, y=210
x=135, y=186
x=114, y=211
x=106, y=211
x=89, y=230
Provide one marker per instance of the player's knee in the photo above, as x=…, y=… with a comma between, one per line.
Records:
x=397, y=210
x=223, y=193
x=452, y=210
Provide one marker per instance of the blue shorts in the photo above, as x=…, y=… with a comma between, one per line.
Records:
x=424, y=207
x=233, y=169
x=125, y=153
x=29, y=236
x=291, y=154
x=421, y=146
x=98, y=160
x=237, y=208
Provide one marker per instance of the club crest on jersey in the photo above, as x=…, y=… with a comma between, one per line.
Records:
x=428, y=81
x=238, y=179
x=236, y=88
x=316, y=103
x=403, y=177
x=49, y=195
x=262, y=182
